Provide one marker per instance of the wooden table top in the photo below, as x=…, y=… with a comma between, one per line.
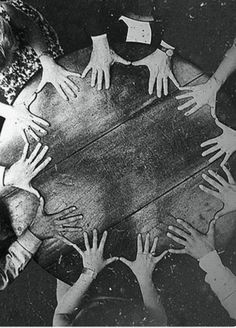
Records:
x=129, y=161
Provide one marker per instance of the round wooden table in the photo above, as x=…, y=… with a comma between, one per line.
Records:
x=131, y=163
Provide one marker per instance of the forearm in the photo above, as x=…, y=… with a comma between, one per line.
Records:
x=72, y=299
x=221, y=280
x=4, y=110
x=227, y=66
x=152, y=301
x=17, y=257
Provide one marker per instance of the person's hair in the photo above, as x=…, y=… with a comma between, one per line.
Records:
x=8, y=43
x=112, y=312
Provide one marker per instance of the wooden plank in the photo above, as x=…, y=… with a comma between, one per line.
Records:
x=122, y=171
x=93, y=113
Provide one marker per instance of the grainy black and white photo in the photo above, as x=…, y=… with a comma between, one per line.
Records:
x=118, y=163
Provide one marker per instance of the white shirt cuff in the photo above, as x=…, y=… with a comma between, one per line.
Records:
x=29, y=241
x=166, y=45
x=2, y=173
x=210, y=262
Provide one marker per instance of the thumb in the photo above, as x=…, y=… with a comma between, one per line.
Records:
x=160, y=257
x=121, y=60
x=111, y=259
x=125, y=261
x=33, y=191
x=140, y=62
x=219, y=124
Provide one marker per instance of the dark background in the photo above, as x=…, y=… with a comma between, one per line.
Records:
x=30, y=300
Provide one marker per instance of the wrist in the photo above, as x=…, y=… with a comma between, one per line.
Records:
x=89, y=273
x=100, y=41
x=215, y=82
x=46, y=60
x=144, y=280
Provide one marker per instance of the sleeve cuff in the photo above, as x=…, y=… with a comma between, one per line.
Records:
x=166, y=45
x=2, y=174
x=210, y=262
x=99, y=37
x=29, y=241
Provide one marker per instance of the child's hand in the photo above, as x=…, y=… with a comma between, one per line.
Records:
x=23, y=171
x=145, y=261
x=93, y=256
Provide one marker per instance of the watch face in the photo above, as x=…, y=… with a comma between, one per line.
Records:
x=169, y=52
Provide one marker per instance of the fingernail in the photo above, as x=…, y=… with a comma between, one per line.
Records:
x=80, y=216
x=200, y=186
x=186, y=114
x=178, y=220
x=204, y=175
x=74, y=208
x=168, y=234
x=49, y=159
x=170, y=227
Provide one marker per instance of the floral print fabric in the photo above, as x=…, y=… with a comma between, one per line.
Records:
x=25, y=61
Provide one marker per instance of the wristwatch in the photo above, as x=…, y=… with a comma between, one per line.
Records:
x=169, y=52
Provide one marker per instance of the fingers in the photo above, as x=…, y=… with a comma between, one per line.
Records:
x=173, y=79
x=85, y=72
x=147, y=242
x=141, y=62
x=229, y=175
x=139, y=244
x=178, y=251
x=125, y=261
x=159, y=86
x=38, y=128
x=209, y=142
x=107, y=78
x=72, y=85
x=187, y=104
x=39, y=157
x=64, y=213
x=86, y=241
x=218, y=177
x=99, y=79
x=152, y=79
x=160, y=257
x=93, y=78
x=192, y=110
x=24, y=137
x=180, y=232
x=186, y=95
x=211, y=150
x=216, y=156
x=212, y=182
x=165, y=86
x=69, y=220
x=34, y=153
x=110, y=260
x=61, y=91
x=225, y=160
x=210, y=192
x=154, y=245
x=39, y=120
x=67, y=90
x=25, y=152
x=33, y=134
x=95, y=239
x=69, y=73
x=68, y=229
x=41, y=166
x=103, y=241
x=177, y=239
x=187, y=227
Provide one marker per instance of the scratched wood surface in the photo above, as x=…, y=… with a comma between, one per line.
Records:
x=128, y=161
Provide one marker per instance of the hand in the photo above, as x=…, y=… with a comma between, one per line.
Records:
x=58, y=76
x=195, y=243
x=159, y=65
x=102, y=58
x=226, y=191
x=93, y=257
x=46, y=226
x=22, y=172
x=25, y=120
x=145, y=261
x=203, y=94
x=225, y=143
